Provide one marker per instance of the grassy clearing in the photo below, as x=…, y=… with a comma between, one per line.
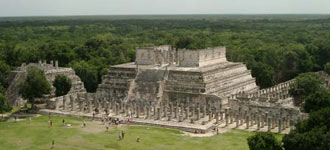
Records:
x=38, y=135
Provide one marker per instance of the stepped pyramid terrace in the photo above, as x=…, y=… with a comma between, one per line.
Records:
x=191, y=90
x=163, y=74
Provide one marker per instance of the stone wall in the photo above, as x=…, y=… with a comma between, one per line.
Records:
x=200, y=58
x=155, y=55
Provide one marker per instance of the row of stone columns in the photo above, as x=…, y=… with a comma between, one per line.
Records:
x=258, y=119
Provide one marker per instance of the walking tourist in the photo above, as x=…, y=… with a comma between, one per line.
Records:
x=122, y=134
x=53, y=144
x=84, y=124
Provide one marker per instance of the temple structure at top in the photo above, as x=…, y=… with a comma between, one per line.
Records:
x=165, y=74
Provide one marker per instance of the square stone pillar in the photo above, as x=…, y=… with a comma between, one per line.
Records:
x=108, y=107
x=221, y=115
x=176, y=112
x=217, y=117
x=181, y=109
x=198, y=114
x=90, y=106
x=269, y=124
x=57, y=105
x=241, y=118
x=81, y=106
x=288, y=118
x=187, y=113
x=169, y=117
x=227, y=118
x=137, y=111
x=204, y=111
x=258, y=122
x=251, y=119
x=155, y=110
x=72, y=100
x=266, y=118
x=262, y=121
x=193, y=112
x=171, y=109
x=273, y=122
x=64, y=102
x=148, y=110
x=180, y=118
x=279, y=125
x=128, y=110
x=230, y=115
x=116, y=109
x=247, y=121
x=245, y=114
x=226, y=113
x=165, y=111
x=237, y=120
x=158, y=114
x=104, y=105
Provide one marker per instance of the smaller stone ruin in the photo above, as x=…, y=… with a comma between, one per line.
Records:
x=50, y=70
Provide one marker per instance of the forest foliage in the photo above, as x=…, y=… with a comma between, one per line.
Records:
x=276, y=48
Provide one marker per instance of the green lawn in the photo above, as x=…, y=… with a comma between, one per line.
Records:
x=38, y=135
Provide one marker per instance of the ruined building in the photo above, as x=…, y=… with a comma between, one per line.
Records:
x=190, y=90
x=50, y=70
x=165, y=74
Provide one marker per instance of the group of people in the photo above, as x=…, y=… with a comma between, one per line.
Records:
x=107, y=121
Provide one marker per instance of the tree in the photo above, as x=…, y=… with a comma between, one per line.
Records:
x=35, y=85
x=327, y=68
x=264, y=141
x=4, y=72
x=317, y=101
x=4, y=107
x=2, y=90
x=87, y=73
x=313, y=133
x=306, y=84
x=264, y=74
x=62, y=85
